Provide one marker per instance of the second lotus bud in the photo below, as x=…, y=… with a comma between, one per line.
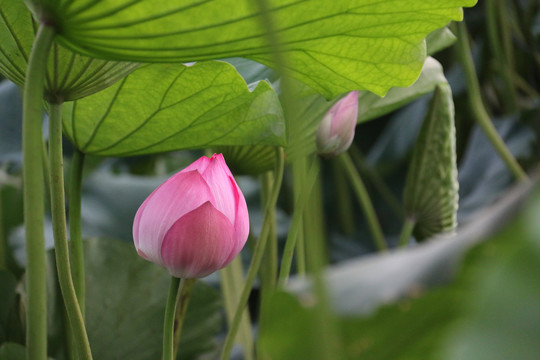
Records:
x=336, y=130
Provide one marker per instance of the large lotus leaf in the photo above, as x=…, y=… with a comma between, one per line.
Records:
x=164, y=107
x=333, y=46
x=70, y=76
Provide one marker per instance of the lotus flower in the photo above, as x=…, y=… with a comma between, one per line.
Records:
x=194, y=223
x=336, y=130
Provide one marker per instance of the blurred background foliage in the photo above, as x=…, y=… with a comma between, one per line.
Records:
x=447, y=299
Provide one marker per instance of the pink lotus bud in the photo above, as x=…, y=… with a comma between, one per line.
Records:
x=194, y=223
x=336, y=130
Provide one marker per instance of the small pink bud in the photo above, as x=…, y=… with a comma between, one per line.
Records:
x=195, y=223
x=336, y=130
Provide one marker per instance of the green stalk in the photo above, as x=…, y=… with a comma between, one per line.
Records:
x=477, y=106
x=232, y=281
x=258, y=253
x=61, y=246
x=299, y=177
x=365, y=201
x=327, y=342
x=296, y=223
x=182, y=300
x=168, y=323
x=406, y=231
x=36, y=327
x=75, y=230
x=270, y=259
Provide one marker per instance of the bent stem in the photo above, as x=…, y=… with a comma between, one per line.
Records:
x=406, y=231
x=365, y=201
x=33, y=197
x=60, y=233
x=75, y=232
x=168, y=322
x=182, y=300
x=477, y=106
x=296, y=223
x=258, y=253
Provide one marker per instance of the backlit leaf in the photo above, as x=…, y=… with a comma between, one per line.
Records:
x=165, y=107
x=332, y=46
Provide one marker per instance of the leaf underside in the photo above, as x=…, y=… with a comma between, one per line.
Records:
x=332, y=46
x=165, y=107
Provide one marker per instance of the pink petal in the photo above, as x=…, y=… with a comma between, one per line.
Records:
x=177, y=196
x=223, y=187
x=241, y=224
x=199, y=243
x=200, y=165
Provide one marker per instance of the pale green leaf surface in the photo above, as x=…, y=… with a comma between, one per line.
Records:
x=440, y=39
x=333, y=46
x=165, y=107
x=371, y=106
x=70, y=76
x=125, y=306
x=431, y=189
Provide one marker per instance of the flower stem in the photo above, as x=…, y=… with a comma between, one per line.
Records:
x=61, y=246
x=258, y=253
x=168, y=323
x=365, y=201
x=36, y=286
x=75, y=231
x=296, y=223
x=406, y=231
x=299, y=178
x=182, y=300
x=477, y=106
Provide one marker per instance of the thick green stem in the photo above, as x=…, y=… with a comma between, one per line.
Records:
x=406, y=231
x=61, y=246
x=168, y=323
x=36, y=327
x=75, y=230
x=365, y=201
x=182, y=301
x=477, y=106
x=296, y=223
x=232, y=281
x=258, y=253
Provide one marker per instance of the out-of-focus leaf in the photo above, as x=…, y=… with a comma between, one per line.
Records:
x=489, y=312
x=371, y=106
x=359, y=286
x=481, y=188
x=440, y=39
x=126, y=302
x=203, y=105
x=12, y=351
x=10, y=122
x=334, y=47
x=501, y=317
x=7, y=300
x=70, y=76
x=431, y=188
